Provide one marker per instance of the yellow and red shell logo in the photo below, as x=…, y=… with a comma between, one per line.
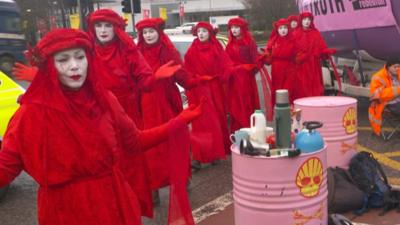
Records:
x=309, y=177
x=350, y=121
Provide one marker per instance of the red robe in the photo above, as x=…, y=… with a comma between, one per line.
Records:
x=242, y=87
x=282, y=54
x=210, y=140
x=160, y=105
x=311, y=47
x=73, y=143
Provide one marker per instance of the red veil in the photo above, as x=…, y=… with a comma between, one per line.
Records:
x=242, y=88
x=127, y=75
x=210, y=131
x=51, y=136
x=282, y=52
x=169, y=162
x=311, y=50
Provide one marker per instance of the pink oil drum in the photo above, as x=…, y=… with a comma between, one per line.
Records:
x=339, y=116
x=284, y=191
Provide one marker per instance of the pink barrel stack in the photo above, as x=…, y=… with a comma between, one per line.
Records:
x=339, y=116
x=280, y=190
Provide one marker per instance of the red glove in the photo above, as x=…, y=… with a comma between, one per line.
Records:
x=205, y=78
x=22, y=72
x=249, y=67
x=326, y=53
x=191, y=113
x=167, y=70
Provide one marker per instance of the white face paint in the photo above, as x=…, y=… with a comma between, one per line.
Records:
x=236, y=32
x=203, y=34
x=150, y=35
x=283, y=30
x=71, y=66
x=306, y=22
x=104, y=32
x=293, y=24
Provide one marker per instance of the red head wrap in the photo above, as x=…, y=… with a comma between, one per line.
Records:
x=240, y=22
x=307, y=15
x=158, y=24
x=57, y=40
x=293, y=18
x=45, y=89
x=207, y=26
x=107, y=15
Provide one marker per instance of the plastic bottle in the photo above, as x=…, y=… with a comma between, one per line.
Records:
x=258, y=126
x=282, y=119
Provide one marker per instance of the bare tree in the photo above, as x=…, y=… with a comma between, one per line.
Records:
x=262, y=13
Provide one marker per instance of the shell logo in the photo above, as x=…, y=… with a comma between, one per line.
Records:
x=309, y=177
x=350, y=121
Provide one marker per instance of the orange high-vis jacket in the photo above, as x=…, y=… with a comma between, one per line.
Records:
x=381, y=92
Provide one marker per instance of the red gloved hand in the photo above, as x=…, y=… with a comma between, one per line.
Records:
x=249, y=67
x=167, y=70
x=191, y=113
x=23, y=72
x=205, y=78
x=326, y=53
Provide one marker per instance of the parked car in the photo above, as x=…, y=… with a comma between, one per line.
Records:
x=9, y=93
x=185, y=28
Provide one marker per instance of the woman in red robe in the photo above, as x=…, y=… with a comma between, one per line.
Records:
x=160, y=105
x=293, y=21
x=128, y=75
x=70, y=135
x=311, y=49
x=281, y=52
x=206, y=57
x=242, y=88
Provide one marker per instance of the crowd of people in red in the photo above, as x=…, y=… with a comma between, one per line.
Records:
x=102, y=125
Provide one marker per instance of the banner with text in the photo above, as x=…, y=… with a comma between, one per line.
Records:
x=349, y=14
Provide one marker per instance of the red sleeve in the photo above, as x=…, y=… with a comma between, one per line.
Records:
x=182, y=77
x=141, y=71
x=10, y=159
x=134, y=139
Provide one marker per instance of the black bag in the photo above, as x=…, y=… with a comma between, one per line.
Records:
x=371, y=179
x=343, y=194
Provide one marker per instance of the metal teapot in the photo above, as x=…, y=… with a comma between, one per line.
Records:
x=309, y=139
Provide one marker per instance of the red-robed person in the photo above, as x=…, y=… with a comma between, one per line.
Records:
x=128, y=75
x=293, y=21
x=311, y=50
x=169, y=163
x=70, y=134
x=242, y=88
x=206, y=57
x=281, y=54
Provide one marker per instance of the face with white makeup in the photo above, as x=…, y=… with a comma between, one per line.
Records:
x=306, y=22
x=293, y=24
x=236, y=31
x=104, y=32
x=203, y=34
x=71, y=65
x=283, y=30
x=150, y=35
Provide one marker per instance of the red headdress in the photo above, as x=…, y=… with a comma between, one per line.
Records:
x=159, y=25
x=307, y=15
x=45, y=88
x=247, y=39
x=119, y=23
x=274, y=34
x=293, y=18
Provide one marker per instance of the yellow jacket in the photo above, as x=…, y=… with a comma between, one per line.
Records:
x=381, y=92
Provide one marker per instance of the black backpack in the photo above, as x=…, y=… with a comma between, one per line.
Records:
x=369, y=177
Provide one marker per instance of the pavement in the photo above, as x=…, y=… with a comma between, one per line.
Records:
x=211, y=187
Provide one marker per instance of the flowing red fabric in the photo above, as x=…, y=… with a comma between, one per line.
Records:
x=128, y=75
x=169, y=162
x=209, y=137
x=65, y=140
x=242, y=88
x=282, y=52
x=311, y=49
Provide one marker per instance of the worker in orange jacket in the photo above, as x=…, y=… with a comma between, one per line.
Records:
x=384, y=91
